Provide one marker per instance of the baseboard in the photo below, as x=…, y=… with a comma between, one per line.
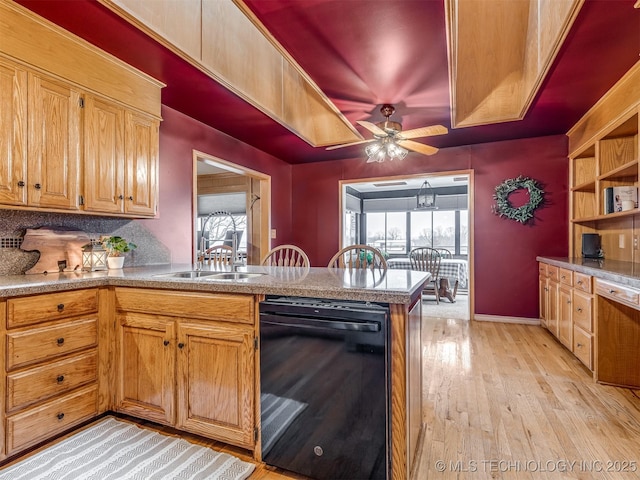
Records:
x=502, y=319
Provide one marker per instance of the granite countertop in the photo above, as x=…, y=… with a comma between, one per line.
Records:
x=624, y=273
x=391, y=286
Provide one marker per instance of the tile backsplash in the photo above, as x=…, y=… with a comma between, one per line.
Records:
x=13, y=224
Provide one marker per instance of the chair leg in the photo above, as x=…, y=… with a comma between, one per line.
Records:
x=437, y=290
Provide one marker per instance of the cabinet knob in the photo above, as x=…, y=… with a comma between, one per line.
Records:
x=60, y=307
x=60, y=341
x=579, y=310
x=120, y=197
x=130, y=197
x=563, y=277
x=60, y=416
x=579, y=282
x=181, y=345
x=21, y=183
x=612, y=291
x=37, y=186
x=568, y=302
x=166, y=342
x=60, y=378
x=579, y=345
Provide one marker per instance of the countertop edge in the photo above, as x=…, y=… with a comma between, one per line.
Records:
x=623, y=273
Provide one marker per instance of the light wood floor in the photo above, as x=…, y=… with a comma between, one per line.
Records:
x=508, y=401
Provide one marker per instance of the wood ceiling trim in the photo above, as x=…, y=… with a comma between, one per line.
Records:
x=499, y=54
x=228, y=43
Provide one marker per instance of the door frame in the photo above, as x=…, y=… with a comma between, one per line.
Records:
x=258, y=206
x=470, y=210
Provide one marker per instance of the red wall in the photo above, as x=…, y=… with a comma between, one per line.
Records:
x=506, y=273
x=179, y=136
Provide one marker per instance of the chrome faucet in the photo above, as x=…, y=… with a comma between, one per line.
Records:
x=235, y=261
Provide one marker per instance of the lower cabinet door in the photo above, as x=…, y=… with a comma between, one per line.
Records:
x=36, y=424
x=216, y=382
x=146, y=379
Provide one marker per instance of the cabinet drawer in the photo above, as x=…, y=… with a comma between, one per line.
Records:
x=566, y=276
x=38, y=344
x=40, y=383
x=553, y=273
x=583, y=346
x=582, y=308
x=542, y=269
x=40, y=423
x=617, y=292
x=582, y=282
x=217, y=306
x=50, y=306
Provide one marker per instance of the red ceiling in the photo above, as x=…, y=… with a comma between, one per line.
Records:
x=363, y=53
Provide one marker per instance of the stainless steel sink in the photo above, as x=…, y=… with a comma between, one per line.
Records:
x=189, y=274
x=234, y=276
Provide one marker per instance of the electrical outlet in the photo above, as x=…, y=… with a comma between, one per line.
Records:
x=273, y=233
x=621, y=240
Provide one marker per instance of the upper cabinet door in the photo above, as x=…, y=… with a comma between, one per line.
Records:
x=141, y=140
x=103, y=156
x=13, y=134
x=54, y=143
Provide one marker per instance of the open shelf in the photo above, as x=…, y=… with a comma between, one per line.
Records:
x=629, y=169
x=585, y=187
x=609, y=216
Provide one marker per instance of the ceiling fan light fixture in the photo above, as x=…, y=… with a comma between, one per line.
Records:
x=396, y=152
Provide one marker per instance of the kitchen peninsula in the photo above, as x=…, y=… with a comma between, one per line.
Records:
x=122, y=341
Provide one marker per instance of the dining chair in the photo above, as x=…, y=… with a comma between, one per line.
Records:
x=219, y=255
x=427, y=259
x=444, y=253
x=358, y=257
x=286, y=256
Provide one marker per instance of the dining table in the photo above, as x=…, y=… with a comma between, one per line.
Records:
x=454, y=270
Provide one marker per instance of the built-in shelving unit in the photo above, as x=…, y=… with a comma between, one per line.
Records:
x=604, y=153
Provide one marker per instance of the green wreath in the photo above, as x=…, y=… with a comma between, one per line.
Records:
x=523, y=213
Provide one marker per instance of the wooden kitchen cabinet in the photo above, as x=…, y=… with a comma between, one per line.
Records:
x=40, y=133
x=548, y=297
x=215, y=381
x=565, y=324
x=188, y=360
x=50, y=373
x=121, y=156
x=73, y=139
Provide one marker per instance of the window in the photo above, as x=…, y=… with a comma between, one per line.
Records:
x=389, y=231
x=217, y=228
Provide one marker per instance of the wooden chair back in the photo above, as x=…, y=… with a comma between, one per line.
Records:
x=428, y=260
x=286, y=256
x=358, y=257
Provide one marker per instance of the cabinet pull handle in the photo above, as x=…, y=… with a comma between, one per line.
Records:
x=579, y=310
x=612, y=291
x=181, y=345
x=166, y=342
x=60, y=307
x=579, y=345
x=568, y=302
x=130, y=197
x=60, y=379
x=60, y=341
x=120, y=197
x=563, y=277
x=37, y=186
x=60, y=416
x=21, y=183
x=579, y=282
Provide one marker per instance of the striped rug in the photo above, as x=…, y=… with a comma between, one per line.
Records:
x=116, y=450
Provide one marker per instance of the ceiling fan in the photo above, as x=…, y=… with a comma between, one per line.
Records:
x=391, y=141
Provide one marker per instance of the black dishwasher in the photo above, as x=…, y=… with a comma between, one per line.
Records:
x=324, y=387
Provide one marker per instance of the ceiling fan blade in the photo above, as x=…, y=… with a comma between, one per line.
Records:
x=333, y=147
x=417, y=147
x=372, y=127
x=424, y=132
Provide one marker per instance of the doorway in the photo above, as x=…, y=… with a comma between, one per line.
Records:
x=241, y=196
x=396, y=214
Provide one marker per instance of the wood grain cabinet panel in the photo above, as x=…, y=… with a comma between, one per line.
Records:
x=54, y=119
x=565, y=321
x=34, y=425
x=583, y=282
x=141, y=173
x=215, y=382
x=146, y=368
x=24, y=311
x=618, y=292
x=38, y=344
x=583, y=347
x=583, y=310
x=40, y=383
x=13, y=133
